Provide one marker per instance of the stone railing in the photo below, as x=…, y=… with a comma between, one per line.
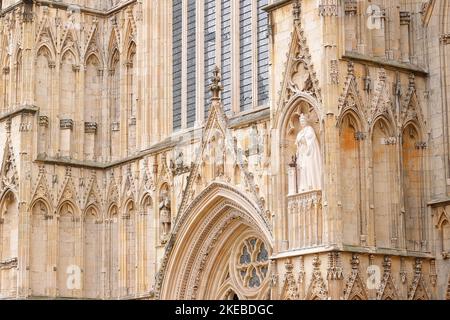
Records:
x=305, y=220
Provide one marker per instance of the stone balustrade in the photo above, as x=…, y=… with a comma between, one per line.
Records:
x=305, y=217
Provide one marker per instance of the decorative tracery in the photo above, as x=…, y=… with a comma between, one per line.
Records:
x=253, y=263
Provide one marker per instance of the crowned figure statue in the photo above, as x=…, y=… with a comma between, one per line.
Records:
x=309, y=160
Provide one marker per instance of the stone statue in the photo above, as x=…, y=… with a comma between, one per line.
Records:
x=309, y=160
x=165, y=215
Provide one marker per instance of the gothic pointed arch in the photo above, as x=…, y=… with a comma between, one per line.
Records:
x=9, y=251
x=220, y=212
x=92, y=246
x=384, y=187
x=40, y=246
x=68, y=224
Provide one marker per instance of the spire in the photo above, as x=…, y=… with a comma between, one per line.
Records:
x=216, y=86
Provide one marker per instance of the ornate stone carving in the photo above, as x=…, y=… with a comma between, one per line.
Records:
x=387, y=289
x=328, y=8
x=178, y=167
x=90, y=127
x=350, y=7
x=115, y=126
x=290, y=284
x=66, y=124
x=317, y=289
x=355, y=289
x=335, y=270
x=9, y=264
x=334, y=71
x=418, y=290
x=43, y=121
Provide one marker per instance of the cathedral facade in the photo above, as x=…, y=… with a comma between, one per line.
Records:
x=225, y=149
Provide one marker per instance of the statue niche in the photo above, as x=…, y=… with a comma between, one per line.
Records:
x=165, y=216
x=302, y=156
x=308, y=158
x=305, y=168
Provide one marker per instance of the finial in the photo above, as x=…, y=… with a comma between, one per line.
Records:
x=297, y=9
x=216, y=86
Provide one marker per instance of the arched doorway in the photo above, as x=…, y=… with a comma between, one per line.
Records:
x=220, y=249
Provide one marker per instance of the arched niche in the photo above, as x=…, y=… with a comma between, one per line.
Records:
x=68, y=248
x=129, y=226
x=40, y=244
x=132, y=97
x=443, y=227
x=9, y=247
x=18, y=78
x=292, y=128
x=113, y=252
x=6, y=84
x=68, y=87
x=384, y=173
x=43, y=93
x=92, y=251
x=114, y=103
x=351, y=177
x=301, y=218
x=413, y=186
x=148, y=241
x=92, y=107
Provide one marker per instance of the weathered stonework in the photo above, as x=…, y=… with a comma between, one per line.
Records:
x=96, y=185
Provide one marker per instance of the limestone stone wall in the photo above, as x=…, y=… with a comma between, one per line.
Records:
x=101, y=199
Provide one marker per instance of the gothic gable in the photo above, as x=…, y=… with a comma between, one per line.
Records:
x=129, y=190
x=299, y=74
x=381, y=104
x=418, y=290
x=317, y=288
x=113, y=192
x=67, y=191
x=93, y=194
x=411, y=108
x=41, y=190
x=218, y=154
x=351, y=99
x=45, y=33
